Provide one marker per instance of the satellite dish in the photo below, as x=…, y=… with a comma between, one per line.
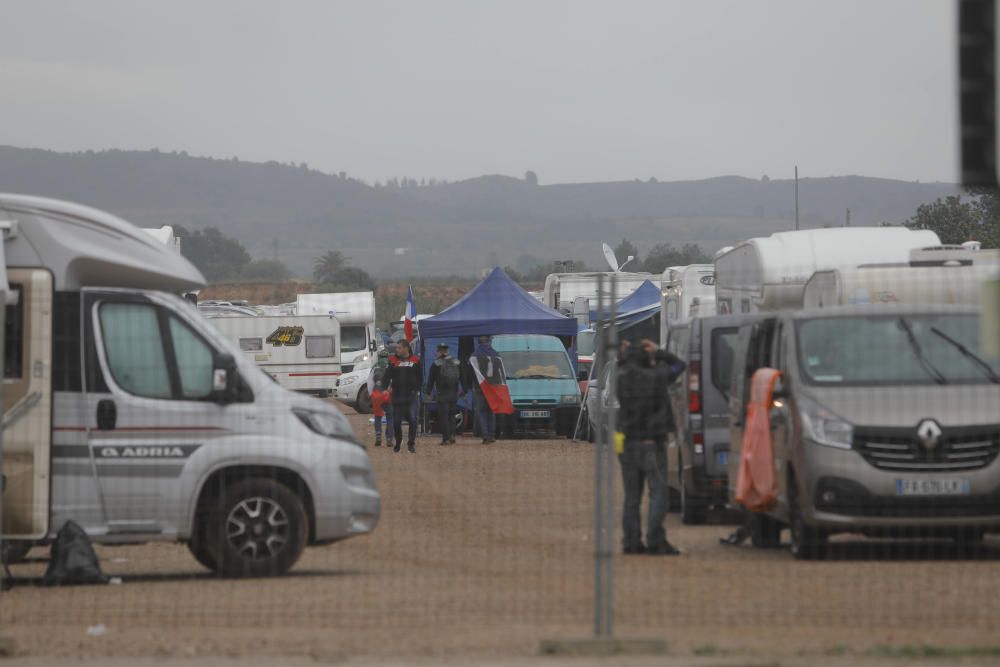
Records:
x=609, y=255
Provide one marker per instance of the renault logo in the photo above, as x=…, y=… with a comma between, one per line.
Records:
x=929, y=434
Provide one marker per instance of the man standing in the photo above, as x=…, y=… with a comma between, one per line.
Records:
x=444, y=377
x=488, y=362
x=404, y=379
x=645, y=419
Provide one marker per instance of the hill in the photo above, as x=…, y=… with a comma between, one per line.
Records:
x=406, y=228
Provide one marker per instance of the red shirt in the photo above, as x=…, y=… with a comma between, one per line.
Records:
x=379, y=398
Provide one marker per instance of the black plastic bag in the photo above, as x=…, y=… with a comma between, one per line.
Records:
x=73, y=559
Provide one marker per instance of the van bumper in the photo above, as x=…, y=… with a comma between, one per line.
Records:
x=345, y=497
x=843, y=491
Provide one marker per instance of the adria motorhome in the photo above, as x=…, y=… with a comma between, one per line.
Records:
x=128, y=413
x=687, y=291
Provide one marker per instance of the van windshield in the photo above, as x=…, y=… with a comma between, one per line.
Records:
x=353, y=339
x=537, y=364
x=894, y=349
x=585, y=343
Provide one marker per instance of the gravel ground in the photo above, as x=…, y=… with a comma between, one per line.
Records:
x=483, y=551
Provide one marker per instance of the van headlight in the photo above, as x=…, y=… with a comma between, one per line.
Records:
x=569, y=398
x=327, y=424
x=824, y=427
x=350, y=379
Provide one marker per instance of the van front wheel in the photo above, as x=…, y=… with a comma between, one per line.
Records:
x=808, y=543
x=257, y=529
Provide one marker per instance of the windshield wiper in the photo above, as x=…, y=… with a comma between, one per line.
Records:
x=938, y=376
x=969, y=354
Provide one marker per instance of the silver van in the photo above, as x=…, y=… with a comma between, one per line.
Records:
x=886, y=423
x=130, y=414
x=698, y=454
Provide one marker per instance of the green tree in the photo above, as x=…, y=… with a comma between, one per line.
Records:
x=266, y=270
x=217, y=256
x=624, y=250
x=953, y=220
x=348, y=278
x=328, y=265
x=665, y=254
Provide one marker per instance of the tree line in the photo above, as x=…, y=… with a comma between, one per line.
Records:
x=956, y=221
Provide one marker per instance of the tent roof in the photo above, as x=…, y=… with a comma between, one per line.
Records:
x=497, y=305
x=644, y=295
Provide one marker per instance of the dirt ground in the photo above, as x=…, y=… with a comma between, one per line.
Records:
x=483, y=551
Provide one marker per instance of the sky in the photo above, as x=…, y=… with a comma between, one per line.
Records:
x=576, y=91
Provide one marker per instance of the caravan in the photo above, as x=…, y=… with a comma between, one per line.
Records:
x=563, y=289
x=301, y=352
x=128, y=413
x=687, y=291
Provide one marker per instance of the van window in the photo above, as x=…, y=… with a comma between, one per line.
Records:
x=745, y=305
x=133, y=345
x=194, y=359
x=251, y=344
x=723, y=356
x=353, y=339
x=725, y=306
x=585, y=343
x=537, y=364
x=13, y=341
x=319, y=347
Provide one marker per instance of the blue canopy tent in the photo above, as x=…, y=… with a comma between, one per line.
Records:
x=497, y=305
x=645, y=295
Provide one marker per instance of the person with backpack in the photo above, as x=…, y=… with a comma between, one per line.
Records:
x=645, y=420
x=404, y=378
x=444, y=377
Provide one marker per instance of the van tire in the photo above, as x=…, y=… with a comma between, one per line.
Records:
x=807, y=543
x=765, y=532
x=364, y=404
x=282, y=517
x=693, y=511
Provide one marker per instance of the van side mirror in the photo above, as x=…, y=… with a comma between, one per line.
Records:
x=224, y=384
x=779, y=390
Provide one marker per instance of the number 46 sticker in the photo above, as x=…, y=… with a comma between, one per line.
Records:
x=286, y=336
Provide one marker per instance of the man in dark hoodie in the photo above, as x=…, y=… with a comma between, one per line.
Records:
x=444, y=377
x=645, y=419
x=404, y=378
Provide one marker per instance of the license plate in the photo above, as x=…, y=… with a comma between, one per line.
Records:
x=722, y=458
x=535, y=414
x=932, y=487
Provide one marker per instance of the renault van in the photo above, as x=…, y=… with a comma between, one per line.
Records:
x=128, y=413
x=886, y=423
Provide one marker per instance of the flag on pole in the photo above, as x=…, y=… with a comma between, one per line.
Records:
x=497, y=395
x=411, y=314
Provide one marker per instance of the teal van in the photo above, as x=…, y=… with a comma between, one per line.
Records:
x=543, y=386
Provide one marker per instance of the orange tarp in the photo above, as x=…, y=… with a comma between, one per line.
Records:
x=756, y=485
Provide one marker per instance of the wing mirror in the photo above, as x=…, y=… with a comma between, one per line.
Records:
x=224, y=379
x=780, y=392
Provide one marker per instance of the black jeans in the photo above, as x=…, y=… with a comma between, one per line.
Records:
x=642, y=465
x=446, y=413
x=406, y=410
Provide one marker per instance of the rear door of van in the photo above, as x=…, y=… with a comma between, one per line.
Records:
x=718, y=354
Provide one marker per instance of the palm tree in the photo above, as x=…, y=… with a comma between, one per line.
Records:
x=326, y=267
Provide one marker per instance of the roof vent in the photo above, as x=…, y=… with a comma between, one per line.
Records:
x=942, y=255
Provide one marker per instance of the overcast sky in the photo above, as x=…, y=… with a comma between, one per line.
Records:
x=576, y=91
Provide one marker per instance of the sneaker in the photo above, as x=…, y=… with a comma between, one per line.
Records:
x=378, y=443
x=396, y=448
x=665, y=549
x=640, y=549
x=411, y=448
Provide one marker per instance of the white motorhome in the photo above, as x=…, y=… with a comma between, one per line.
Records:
x=128, y=413
x=166, y=236
x=687, y=291
x=769, y=273
x=563, y=289
x=917, y=283
x=301, y=352
x=356, y=313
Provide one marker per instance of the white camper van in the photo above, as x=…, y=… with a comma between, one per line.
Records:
x=301, y=352
x=128, y=413
x=769, y=273
x=563, y=289
x=356, y=313
x=687, y=291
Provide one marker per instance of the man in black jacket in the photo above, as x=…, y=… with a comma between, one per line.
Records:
x=404, y=377
x=444, y=377
x=645, y=419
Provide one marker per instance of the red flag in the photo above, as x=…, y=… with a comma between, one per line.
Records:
x=497, y=395
x=411, y=314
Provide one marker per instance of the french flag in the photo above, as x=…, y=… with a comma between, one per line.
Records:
x=497, y=395
x=411, y=314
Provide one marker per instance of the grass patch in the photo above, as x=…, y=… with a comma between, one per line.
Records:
x=935, y=652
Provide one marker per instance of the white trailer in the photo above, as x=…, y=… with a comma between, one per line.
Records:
x=687, y=291
x=562, y=289
x=301, y=352
x=356, y=313
x=770, y=273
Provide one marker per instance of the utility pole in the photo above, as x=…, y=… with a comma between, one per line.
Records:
x=796, y=197
x=847, y=219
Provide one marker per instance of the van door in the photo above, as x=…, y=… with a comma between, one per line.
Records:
x=157, y=412
x=779, y=415
x=753, y=351
x=27, y=406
